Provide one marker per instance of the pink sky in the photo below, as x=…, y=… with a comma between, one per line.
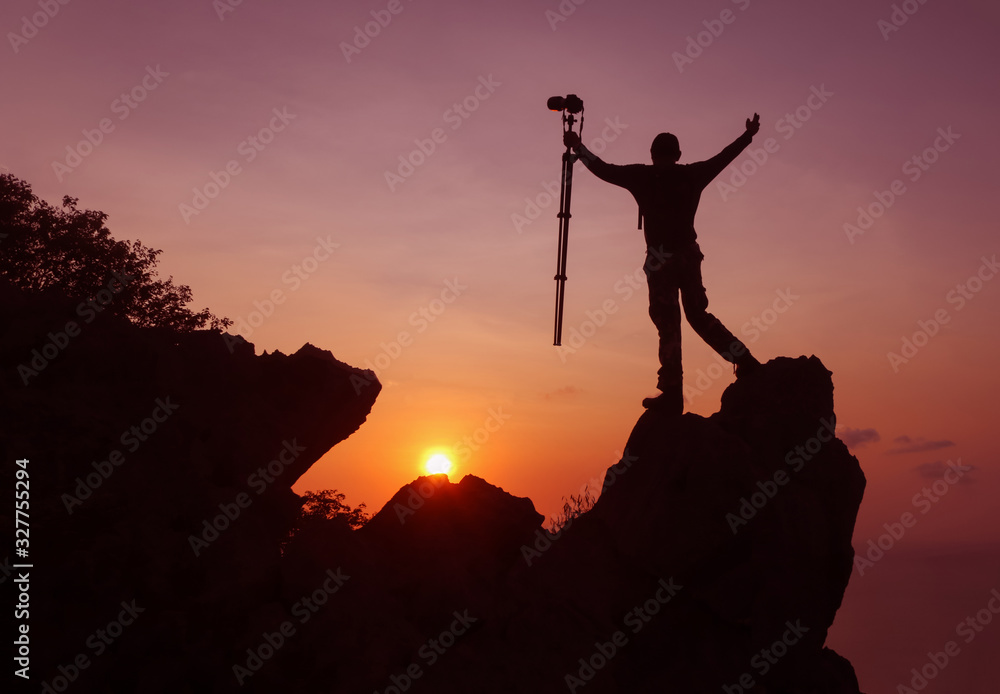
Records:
x=471, y=80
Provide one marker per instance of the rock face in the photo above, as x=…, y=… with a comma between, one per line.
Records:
x=752, y=510
x=161, y=465
x=161, y=468
x=716, y=556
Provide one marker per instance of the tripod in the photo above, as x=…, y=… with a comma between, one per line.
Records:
x=565, y=192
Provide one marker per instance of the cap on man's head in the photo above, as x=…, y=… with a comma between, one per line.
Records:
x=665, y=147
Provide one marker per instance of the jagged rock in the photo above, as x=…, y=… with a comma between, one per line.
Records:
x=753, y=510
x=718, y=545
x=140, y=441
x=714, y=538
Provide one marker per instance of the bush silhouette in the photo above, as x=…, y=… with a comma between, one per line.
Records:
x=573, y=507
x=69, y=250
x=327, y=505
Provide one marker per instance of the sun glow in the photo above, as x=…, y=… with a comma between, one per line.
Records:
x=438, y=464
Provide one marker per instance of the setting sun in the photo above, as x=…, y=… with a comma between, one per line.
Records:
x=438, y=464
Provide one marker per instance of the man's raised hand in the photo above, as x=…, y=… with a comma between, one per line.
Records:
x=753, y=125
x=572, y=139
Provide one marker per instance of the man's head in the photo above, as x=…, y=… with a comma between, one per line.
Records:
x=665, y=149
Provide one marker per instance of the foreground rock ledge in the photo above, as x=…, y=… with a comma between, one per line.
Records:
x=717, y=555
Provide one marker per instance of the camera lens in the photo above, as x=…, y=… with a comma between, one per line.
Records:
x=556, y=103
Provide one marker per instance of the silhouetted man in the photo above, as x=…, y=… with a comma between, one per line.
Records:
x=668, y=195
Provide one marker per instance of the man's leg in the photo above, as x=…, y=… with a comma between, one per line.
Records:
x=665, y=310
x=708, y=327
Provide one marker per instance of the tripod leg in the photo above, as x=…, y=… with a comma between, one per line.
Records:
x=564, y=215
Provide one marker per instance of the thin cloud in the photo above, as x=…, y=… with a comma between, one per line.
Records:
x=566, y=392
x=937, y=469
x=918, y=445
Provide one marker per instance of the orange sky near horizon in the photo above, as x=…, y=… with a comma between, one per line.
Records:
x=395, y=191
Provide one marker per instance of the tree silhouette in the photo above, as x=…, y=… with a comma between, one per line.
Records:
x=328, y=505
x=44, y=248
x=323, y=516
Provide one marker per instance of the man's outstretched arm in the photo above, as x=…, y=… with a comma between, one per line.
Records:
x=711, y=168
x=612, y=173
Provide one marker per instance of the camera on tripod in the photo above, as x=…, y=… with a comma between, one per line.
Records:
x=571, y=103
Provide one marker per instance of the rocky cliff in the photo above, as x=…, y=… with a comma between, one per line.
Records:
x=714, y=560
x=161, y=465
